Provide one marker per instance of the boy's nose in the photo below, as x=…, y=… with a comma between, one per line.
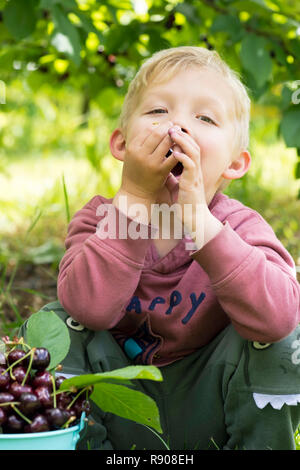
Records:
x=182, y=128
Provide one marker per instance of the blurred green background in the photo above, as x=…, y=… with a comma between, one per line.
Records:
x=64, y=70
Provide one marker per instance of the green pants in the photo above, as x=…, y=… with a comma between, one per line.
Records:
x=230, y=394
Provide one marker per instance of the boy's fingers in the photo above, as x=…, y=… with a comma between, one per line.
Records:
x=154, y=138
x=169, y=163
x=187, y=144
x=163, y=148
x=186, y=161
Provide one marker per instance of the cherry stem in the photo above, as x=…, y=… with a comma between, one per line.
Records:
x=21, y=414
x=75, y=398
x=11, y=374
x=54, y=391
x=67, y=423
x=58, y=392
x=10, y=403
x=31, y=352
x=15, y=343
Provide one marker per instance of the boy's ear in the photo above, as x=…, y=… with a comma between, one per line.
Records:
x=238, y=167
x=117, y=144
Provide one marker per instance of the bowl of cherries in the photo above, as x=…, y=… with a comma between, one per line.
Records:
x=41, y=409
x=34, y=412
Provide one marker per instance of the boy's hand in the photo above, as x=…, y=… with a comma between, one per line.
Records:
x=146, y=168
x=191, y=184
x=194, y=213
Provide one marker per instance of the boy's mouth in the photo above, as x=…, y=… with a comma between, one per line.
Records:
x=178, y=168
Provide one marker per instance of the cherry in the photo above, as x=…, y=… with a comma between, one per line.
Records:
x=56, y=417
x=6, y=397
x=15, y=355
x=70, y=412
x=14, y=423
x=38, y=424
x=44, y=396
x=63, y=399
x=29, y=403
x=59, y=380
x=41, y=358
x=19, y=373
x=80, y=406
x=3, y=416
x=4, y=378
x=17, y=389
x=43, y=378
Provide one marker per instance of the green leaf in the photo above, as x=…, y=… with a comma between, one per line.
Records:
x=156, y=40
x=120, y=38
x=297, y=170
x=229, y=24
x=47, y=4
x=20, y=18
x=49, y=252
x=88, y=25
x=47, y=330
x=126, y=373
x=256, y=59
x=66, y=38
x=127, y=403
x=290, y=127
x=295, y=47
x=189, y=11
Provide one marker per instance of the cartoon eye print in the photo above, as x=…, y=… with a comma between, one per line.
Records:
x=74, y=325
x=259, y=346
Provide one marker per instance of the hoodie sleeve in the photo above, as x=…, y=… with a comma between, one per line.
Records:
x=253, y=277
x=98, y=274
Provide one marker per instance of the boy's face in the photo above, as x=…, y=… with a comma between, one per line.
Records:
x=201, y=102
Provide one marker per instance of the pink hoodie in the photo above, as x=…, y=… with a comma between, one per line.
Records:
x=161, y=309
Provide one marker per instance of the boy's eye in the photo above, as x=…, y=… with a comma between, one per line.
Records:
x=205, y=118
x=157, y=111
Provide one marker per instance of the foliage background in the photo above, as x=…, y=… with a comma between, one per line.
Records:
x=64, y=68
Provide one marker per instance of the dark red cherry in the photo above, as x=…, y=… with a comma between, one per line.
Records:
x=3, y=416
x=4, y=378
x=56, y=417
x=16, y=355
x=42, y=378
x=6, y=397
x=80, y=406
x=14, y=423
x=44, y=396
x=41, y=358
x=59, y=380
x=19, y=373
x=63, y=399
x=38, y=424
x=17, y=389
x=29, y=403
x=71, y=414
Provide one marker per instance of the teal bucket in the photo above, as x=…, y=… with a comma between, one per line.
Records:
x=63, y=439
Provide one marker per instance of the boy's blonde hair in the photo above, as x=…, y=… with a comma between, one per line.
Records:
x=165, y=63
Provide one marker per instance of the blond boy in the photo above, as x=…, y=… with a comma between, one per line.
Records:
x=215, y=305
